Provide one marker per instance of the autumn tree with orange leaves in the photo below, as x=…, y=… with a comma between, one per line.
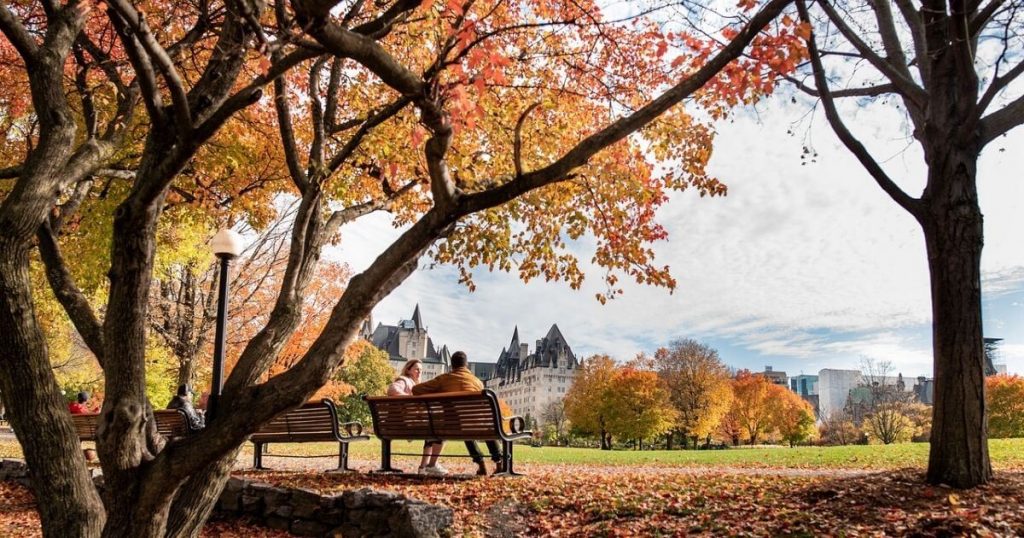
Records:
x=1004, y=398
x=493, y=132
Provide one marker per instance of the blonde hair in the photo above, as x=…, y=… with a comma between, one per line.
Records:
x=408, y=366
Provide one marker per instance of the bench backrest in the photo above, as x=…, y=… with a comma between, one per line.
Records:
x=308, y=419
x=85, y=425
x=454, y=416
x=171, y=423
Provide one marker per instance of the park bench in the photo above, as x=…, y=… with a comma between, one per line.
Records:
x=171, y=423
x=309, y=423
x=455, y=416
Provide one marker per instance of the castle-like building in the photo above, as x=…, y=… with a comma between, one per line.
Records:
x=526, y=381
x=529, y=382
x=409, y=340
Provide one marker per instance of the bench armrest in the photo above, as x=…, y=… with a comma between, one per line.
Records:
x=352, y=430
x=517, y=425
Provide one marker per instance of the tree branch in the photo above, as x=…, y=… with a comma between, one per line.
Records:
x=156, y=52
x=1001, y=121
x=19, y=36
x=579, y=154
x=905, y=86
x=908, y=203
x=68, y=294
x=868, y=91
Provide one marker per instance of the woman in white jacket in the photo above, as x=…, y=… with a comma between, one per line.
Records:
x=402, y=386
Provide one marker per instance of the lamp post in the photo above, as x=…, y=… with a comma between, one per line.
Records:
x=226, y=245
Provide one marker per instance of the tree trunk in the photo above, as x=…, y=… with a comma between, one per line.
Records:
x=953, y=236
x=68, y=502
x=196, y=498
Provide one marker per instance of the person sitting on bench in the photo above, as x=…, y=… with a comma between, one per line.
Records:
x=460, y=379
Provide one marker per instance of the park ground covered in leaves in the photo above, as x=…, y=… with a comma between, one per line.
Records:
x=653, y=500
x=573, y=500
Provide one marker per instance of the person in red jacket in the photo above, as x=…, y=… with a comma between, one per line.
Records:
x=79, y=407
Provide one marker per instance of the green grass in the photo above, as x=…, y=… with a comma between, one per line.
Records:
x=1006, y=454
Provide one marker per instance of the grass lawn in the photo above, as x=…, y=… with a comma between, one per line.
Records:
x=1005, y=453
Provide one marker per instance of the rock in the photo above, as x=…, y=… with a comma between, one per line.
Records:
x=305, y=502
x=380, y=499
x=355, y=499
x=303, y=527
x=252, y=504
x=279, y=523
x=416, y=519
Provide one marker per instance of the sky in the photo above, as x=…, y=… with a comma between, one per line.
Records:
x=805, y=264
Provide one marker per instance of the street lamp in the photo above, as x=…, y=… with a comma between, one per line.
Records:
x=226, y=245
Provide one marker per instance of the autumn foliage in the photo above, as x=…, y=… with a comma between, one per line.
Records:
x=1004, y=399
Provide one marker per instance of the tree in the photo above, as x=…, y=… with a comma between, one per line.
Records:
x=884, y=404
x=1004, y=396
x=730, y=427
x=587, y=403
x=639, y=405
x=698, y=384
x=553, y=416
x=607, y=97
x=793, y=418
x=839, y=429
x=952, y=69
x=367, y=372
x=751, y=404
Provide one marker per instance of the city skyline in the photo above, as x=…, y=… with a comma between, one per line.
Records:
x=805, y=265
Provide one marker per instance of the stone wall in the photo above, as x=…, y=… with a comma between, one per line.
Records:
x=363, y=512
x=15, y=471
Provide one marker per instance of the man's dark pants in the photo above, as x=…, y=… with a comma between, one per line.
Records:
x=478, y=458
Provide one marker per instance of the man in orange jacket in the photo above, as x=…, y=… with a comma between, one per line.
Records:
x=460, y=379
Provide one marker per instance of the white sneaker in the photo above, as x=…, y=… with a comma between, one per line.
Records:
x=435, y=470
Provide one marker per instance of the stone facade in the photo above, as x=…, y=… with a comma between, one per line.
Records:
x=528, y=382
x=409, y=340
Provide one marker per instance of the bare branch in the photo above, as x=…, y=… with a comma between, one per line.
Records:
x=1001, y=121
x=912, y=205
x=868, y=91
x=983, y=16
x=905, y=86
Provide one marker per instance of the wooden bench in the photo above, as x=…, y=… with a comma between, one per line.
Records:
x=171, y=423
x=455, y=416
x=312, y=422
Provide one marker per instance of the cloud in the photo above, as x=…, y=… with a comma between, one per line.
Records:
x=801, y=265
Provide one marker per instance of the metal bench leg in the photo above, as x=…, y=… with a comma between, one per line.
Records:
x=257, y=456
x=385, y=458
x=507, y=460
x=343, y=457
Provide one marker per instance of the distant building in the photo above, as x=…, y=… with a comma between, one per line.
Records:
x=834, y=389
x=779, y=378
x=991, y=354
x=409, y=340
x=804, y=385
x=924, y=390
x=528, y=382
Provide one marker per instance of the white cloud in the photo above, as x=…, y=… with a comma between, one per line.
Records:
x=808, y=265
